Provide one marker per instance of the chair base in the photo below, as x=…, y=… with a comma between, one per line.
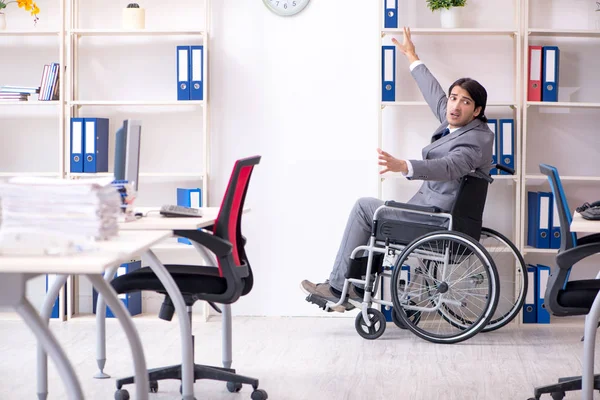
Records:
x=228, y=375
x=558, y=390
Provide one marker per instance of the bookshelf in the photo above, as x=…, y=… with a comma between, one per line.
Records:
x=154, y=103
x=487, y=48
x=84, y=32
x=557, y=133
x=103, y=74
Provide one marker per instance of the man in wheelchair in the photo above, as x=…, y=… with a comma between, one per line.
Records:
x=461, y=145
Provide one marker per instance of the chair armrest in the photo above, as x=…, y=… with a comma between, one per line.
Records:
x=588, y=239
x=413, y=207
x=218, y=246
x=568, y=258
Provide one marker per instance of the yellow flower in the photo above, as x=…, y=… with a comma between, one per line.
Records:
x=35, y=10
x=22, y=3
x=28, y=5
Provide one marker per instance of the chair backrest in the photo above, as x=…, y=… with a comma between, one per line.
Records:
x=467, y=211
x=228, y=223
x=568, y=239
x=559, y=277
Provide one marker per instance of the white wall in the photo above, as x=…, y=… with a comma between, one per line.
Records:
x=302, y=92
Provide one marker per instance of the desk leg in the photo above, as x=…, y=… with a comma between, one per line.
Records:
x=42, y=356
x=50, y=344
x=101, y=327
x=187, y=349
x=589, y=343
x=118, y=308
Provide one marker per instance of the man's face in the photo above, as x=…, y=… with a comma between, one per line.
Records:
x=461, y=108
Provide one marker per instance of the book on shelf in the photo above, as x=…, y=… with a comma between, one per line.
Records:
x=49, y=84
x=16, y=93
x=13, y=97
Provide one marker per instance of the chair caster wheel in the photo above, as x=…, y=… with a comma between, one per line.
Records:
x=121, y=394
x=259, y=394
x=558, y=395
x=234, y=387
x=153, y=386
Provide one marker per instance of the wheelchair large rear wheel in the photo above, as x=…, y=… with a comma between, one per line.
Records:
x=453, y=283
x=512, y=273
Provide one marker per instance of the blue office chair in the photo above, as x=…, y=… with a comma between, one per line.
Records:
x=564, y=297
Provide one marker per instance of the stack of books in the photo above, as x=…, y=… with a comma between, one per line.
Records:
x=49, y=84
x=56, y=216
x=17, y=93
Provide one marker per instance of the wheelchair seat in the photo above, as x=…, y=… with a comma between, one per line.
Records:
x=467, y=215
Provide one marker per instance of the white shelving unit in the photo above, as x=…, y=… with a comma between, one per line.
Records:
x=498, y=105
x=515, y=104
x=557, y=36
x=77, y=105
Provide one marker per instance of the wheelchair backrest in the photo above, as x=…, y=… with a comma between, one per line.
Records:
x=467, y=211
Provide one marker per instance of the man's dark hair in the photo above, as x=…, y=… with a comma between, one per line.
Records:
x=477, y=93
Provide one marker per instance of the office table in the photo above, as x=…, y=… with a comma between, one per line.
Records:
x=16, y=270
x=581, y=225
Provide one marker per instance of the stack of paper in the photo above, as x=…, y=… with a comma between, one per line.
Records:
x=55, y=210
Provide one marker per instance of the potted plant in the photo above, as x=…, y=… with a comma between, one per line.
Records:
x=449, y=11
x=134, y=17
x=28, y=5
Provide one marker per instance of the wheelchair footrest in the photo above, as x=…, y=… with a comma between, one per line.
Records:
x=314, y=299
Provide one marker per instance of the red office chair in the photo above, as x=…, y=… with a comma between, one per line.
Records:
x=223, y=284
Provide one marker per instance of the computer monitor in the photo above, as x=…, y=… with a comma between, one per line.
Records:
x=127, y=152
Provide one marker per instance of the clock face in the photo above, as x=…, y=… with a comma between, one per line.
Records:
x=286, y=7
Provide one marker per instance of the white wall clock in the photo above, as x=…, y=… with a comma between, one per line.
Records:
x=286, y=8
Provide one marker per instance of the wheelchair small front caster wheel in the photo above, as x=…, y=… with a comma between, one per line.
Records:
x=558, y=395
x=259, y=394
x=121, y=394
x=234, y=387
x=377, y=320
x=153, y=386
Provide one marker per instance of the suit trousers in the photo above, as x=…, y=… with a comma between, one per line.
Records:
x=357, y=233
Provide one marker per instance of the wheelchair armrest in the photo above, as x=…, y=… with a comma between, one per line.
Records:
x=413, y=207
x=482, y=175
x=588, y=239
x=568, y=258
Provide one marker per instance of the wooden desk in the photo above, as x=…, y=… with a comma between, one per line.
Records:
x=16, y=270
x=581, y=225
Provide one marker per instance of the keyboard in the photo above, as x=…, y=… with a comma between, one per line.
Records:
x=179, y=211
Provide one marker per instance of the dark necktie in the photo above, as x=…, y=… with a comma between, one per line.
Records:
x=445, y=132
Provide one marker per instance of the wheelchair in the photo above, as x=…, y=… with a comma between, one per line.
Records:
x=444, y=284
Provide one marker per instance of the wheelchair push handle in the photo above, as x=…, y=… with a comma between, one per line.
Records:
x=504, y=168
